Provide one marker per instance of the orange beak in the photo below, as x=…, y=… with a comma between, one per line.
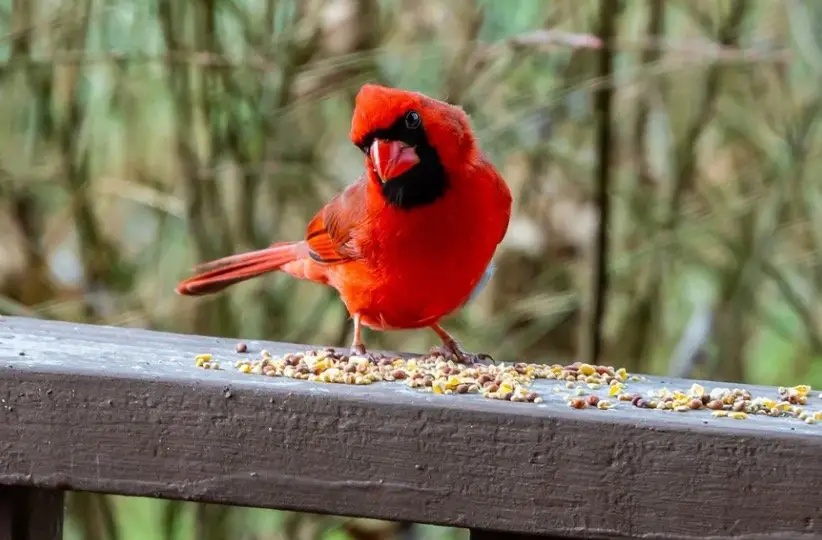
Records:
x=392, y=158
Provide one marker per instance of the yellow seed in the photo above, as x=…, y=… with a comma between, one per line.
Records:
x=802, y=389
x=587, y=369
x=817, y=415
x=453, y=382
x=245, y=368
x=615, y=389
x=622, y=374
x=738, y=415
x=438, y=387
x=201, y=359
x=505, y=387
x=719, y=413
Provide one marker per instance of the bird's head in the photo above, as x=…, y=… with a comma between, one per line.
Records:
x=413, y=143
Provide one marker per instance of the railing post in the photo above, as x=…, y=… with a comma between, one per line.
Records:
x=28, y=513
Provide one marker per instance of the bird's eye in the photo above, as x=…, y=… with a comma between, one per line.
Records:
x=412, y=120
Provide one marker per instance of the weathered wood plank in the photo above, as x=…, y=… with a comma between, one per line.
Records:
x=125, y=411
x=30, y=514
x=482, y=534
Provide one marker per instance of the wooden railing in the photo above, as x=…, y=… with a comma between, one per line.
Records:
x=125, y=411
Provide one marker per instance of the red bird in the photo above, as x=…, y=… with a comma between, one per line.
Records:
x=410, y=241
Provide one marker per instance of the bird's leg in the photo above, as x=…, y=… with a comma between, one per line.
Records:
x=450, y=347
x=357, y=346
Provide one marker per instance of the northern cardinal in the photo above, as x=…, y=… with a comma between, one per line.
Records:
x=411, y=239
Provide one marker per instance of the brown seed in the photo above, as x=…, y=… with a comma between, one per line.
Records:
x=695, y=403
x=400, y=374
x=635, y=400
x=531, y=396
x=593, y=400
x=641, y=403
x=705, y=399
x=302, y=369
x=577, y=403
x=715, y=405
x=462, y=388
x=507, y=396
x=292, y=359
x=492, y=387
x=351, y=368
x=739, y=406
x=484, y=378
x=242, y=347
x=520, y=368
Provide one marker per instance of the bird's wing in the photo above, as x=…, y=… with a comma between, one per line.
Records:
x=331, y=234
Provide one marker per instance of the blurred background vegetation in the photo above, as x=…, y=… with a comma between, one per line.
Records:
x=140, y=137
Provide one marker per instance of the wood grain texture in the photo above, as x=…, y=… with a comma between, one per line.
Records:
x=125, y=411
x=30, y=514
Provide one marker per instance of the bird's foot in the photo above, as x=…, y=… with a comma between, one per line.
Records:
x=453, y=350
x=359, y=350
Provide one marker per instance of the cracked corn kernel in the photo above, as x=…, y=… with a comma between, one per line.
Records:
x=202, y=359
x=738, y=415
x=719, y=413
x=587, y=369
x=802, y=389
x=245, y=368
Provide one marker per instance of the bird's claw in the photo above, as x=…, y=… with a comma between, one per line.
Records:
x=359, y=350
x=456, y=352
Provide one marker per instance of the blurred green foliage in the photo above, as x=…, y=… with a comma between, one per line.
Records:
x=138, y=138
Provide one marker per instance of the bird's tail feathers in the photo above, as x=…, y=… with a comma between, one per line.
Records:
x=214, y=276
